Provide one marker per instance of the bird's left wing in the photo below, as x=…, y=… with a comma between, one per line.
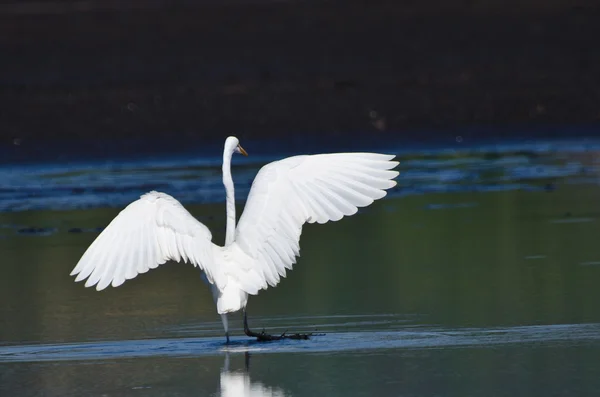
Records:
x=146, y=234
x=288, y=193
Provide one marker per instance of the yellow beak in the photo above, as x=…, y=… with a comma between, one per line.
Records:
x=242, y=151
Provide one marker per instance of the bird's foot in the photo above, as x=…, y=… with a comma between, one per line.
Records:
x=285, y=335
x=264, y=337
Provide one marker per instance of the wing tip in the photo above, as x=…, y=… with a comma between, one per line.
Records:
x=79, y=278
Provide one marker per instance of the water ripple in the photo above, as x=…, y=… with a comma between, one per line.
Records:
x=409, y=338
x=484, y=168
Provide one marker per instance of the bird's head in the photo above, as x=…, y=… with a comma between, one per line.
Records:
x=233, y=144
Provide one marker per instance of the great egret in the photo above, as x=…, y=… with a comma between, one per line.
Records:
x=285, y=194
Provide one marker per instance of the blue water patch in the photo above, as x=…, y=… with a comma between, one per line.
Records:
x=536, y=166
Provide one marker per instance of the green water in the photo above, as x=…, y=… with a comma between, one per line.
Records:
x=483, y=261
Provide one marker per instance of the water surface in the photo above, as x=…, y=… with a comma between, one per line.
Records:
x=477, y=276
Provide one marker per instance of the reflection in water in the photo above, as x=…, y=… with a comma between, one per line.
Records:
x=238, y=383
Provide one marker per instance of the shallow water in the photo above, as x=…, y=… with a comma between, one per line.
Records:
x=478, y=276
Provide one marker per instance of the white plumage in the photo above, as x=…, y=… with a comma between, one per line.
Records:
x=146, y=234
x=285, y=194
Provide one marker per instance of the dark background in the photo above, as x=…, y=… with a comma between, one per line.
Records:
x=161, y=73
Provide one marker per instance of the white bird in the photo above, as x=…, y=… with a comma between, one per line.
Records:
x=284, y=196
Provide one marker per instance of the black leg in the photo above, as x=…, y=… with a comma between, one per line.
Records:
x=264, y=337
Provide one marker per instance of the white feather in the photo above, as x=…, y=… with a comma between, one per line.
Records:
x=156, y=223
x=290, y=192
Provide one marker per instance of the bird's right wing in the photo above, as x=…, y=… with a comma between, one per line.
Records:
x=288, y=193
x=146, y=234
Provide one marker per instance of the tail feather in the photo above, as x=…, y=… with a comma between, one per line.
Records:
x=231, y=299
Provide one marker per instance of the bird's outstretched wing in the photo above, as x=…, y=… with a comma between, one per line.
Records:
x=146, y=234
x=287, y=193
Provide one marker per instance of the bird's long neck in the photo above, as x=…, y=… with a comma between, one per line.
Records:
x=230, y=197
